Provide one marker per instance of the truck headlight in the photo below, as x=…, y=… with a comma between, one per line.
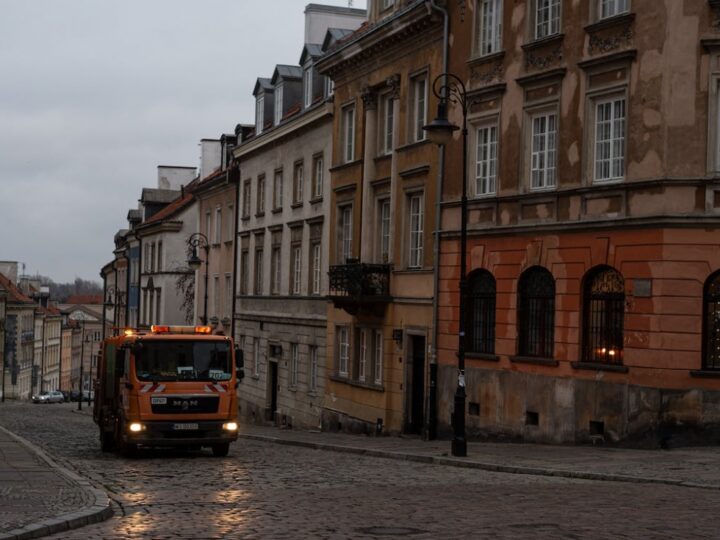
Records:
x=135, y=427
x=230, y=426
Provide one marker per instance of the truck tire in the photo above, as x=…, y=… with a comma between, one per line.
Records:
x=107, y=441
x=220, y=450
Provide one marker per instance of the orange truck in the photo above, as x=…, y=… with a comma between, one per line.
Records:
x=171, y=386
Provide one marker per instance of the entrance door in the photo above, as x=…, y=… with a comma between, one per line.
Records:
x=415, y=417
x=272, y=390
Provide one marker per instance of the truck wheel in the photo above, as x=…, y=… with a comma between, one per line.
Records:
x=220, y=450
x=107, y=441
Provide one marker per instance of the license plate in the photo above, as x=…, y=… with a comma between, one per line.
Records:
x=158, y=401
x=185, y=426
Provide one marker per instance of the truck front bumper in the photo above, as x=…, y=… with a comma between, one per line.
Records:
x=198, y=433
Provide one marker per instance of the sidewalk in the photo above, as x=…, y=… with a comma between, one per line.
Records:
x=689, y=467
x=38, y=497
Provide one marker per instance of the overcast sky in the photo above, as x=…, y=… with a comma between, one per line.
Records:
x=94, y=94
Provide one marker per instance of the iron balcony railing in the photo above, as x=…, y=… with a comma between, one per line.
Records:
x=355, y=284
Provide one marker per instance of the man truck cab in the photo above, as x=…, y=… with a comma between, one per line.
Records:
x=173, y=386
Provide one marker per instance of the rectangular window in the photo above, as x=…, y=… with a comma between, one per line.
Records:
x=343, y=347
x=278, y=190
x=218, y=225
x=315, y=261
x=547, y=18
x=275, y=270
x=348, y=133
x=307, y=86
x=298, y=184
x=256, y=356
x=388, y=110
x=312, y=382
x=318, y=172
x=486, y=160
x=244, y=271
x=230, y=223
x=345, y=237
x=377, y=357
x=258, y=271
x=158, y=316
x=388, y=3
x=208, y=224
x=259, y=114
x=278, y=104
x=246, y=199
x=362, y=357
x=228, y=311
x=216, y=296
x=419, y=107
x=610, y=8
x=261, y=195
x=296, y=268
x=159, y=256
x=489, y=25
x=416, y=231
x=544, y=142
x=329, y=86
x=152, y=257
x=384, y=207
x=610, y=140
x=294, y=361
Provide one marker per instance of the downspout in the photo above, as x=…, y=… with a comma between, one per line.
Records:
x=235, y=250
x=431, y=428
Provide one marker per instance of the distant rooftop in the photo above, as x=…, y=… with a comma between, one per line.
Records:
x=151, y=195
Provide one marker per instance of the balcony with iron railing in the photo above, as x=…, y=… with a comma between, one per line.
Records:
x=360, y=288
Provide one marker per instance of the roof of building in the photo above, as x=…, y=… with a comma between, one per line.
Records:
x=285, y=72
x=85, y=299
x=134, y=215
x=335, y=35
x=14, y=294
x=154, y=195
x=264, y=84
x=337, y=10
x=170, y=210
x=310, y=50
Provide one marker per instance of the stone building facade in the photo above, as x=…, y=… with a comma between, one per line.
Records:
x=594, y=182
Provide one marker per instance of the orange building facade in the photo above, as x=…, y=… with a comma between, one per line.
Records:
x=593, y=234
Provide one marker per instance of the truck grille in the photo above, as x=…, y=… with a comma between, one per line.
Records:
x=185, y=404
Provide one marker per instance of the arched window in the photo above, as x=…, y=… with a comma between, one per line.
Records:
x=480, y=310
x=536, y=313
x=711, y=322
x=603, y=316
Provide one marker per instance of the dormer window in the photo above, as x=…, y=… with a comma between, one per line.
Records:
x=259, y=114
x=387, y=4
x=308, y=86
x=278, y=104
x=329, y=86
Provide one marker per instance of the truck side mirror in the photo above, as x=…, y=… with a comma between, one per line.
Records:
x=240, y=374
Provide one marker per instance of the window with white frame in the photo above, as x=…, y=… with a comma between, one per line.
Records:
x=216, y=296
x=294, y=361
x=343, y=350
x=278, y=103
x=316, y=269
x=275, y=270
x=419, y=107
x=489, y=26
x=230, y=223
x=384, y=243
x=159, y=256
x=296, y=268
x=486, y=159
x=317, y=189
x=246, y=199
x=388, y=119
x=611, y=8
x=307, y=86
x=256, y=356
x=329, y=86
x=416, y=211
x=218, y=225
x=378, y=357
x=261, y=194
x=348, y=133
x=228, y=311
x=363, y=353
x=158, y=304
x=259, y=271
x=543, y=150
x=547, y=18
x=388, y=4
x=259, y=114
x=244, y=271
x=313, y=375
x=609, y=157
x=345, y=233
x=278, y=190
x=298, y=183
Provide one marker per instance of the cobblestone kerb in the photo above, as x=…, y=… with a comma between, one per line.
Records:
x=98, y=510
x=494, y=467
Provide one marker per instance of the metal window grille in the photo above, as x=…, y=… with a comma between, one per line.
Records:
x=604, y=313
x=536, y=313
x=711, y=330
x=480, y=313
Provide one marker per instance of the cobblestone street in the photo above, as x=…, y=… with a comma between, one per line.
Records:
x=272, y=491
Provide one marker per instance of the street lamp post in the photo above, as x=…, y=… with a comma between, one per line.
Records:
x=195, y=241
x=82, y=358
x=448, y=88
x=90, y=339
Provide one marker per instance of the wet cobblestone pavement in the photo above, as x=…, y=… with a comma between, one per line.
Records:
x=266, y=490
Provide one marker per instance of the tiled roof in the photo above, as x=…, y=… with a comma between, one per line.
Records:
x=14, y=294
x=85, y=299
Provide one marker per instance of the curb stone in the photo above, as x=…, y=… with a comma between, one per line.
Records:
x=494, y=467
x=95, y=512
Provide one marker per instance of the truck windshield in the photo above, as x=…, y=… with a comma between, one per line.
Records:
x=183, y=361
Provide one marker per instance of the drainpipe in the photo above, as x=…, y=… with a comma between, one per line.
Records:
x=235, y=248
x=431, y=427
